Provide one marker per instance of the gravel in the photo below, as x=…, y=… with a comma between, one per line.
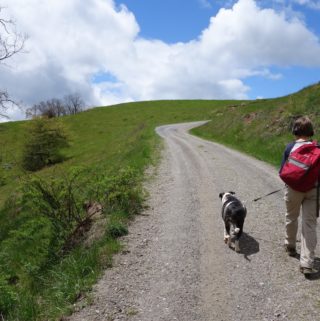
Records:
x=175, y=265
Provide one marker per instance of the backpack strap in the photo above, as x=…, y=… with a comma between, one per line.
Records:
x=318, y=194
x=318, y=183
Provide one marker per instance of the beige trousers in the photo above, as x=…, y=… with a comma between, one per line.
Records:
x=294, y=202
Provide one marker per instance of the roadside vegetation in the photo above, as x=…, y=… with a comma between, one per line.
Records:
x=262, y=127
x=60, y=224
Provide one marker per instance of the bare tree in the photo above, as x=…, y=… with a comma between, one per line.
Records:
x=56, y=107
x=74, y=103
x=4, y=100
x=50, y=109
x=11, y=42
x=70, y=105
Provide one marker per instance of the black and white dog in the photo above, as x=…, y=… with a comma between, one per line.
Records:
x=233, y=215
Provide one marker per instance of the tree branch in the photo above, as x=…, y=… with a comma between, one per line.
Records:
x=5, y=102
x=11, y=43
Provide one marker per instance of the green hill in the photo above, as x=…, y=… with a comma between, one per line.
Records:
x=44, y=263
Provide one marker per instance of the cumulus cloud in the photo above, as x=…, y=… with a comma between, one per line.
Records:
x=70, y=42
x=256, y=37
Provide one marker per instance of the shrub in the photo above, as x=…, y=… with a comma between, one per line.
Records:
x=8, y=296
x=123, y=192
x=26, y=249
x=63, y=200
x=44, y=141
x=60, y=200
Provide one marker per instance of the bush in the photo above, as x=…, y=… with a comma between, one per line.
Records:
x=26, y=250
x=8, y=296
x=123, y=192
x=44, y=141
x=60, y=200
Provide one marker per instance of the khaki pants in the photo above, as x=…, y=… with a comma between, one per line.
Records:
x=294, y=201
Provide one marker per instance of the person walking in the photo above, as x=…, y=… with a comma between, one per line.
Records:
x=295, y=201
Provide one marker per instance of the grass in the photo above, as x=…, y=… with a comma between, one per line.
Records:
x=104, y=141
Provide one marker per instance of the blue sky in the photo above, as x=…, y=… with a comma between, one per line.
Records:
x=113, y=51
x=182, y=21
x=171, y=21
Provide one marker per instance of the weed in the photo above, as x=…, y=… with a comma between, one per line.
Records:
x=117, y=229
x=131, y=311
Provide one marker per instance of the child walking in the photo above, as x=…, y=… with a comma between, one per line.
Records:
x=295, y=201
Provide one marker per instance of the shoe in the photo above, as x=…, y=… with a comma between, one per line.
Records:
x=307, y=270
x=291, y=250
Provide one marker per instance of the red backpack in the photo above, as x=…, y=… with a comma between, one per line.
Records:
x=301, y=170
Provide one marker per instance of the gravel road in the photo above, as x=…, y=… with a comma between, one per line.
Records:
x=175, y=265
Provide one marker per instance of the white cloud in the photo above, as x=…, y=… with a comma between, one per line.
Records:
x=257, y=37
x=313, y=4
x=68, y=43
x=71, y=41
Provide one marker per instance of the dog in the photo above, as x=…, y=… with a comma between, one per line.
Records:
x=233, y=215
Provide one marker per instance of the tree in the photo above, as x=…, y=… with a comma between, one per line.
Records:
x=70, y=105
x=4, y=102
x=74, y=104
x=11, y=43
x=45, y=139
x=50, y=109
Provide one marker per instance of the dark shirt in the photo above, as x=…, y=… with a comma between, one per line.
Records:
x=286, y=154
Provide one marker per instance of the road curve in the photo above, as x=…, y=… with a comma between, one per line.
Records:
x=175, y=265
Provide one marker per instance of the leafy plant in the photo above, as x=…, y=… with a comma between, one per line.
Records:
x=26, y=249
x=59, y=199
x=117, y=229
x=123, y=192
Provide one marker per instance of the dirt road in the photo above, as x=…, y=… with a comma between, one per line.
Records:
x=175, y=265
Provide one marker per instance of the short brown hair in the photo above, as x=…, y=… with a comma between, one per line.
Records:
x=303, y=127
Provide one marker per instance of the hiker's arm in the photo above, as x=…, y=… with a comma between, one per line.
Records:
x=286, y=154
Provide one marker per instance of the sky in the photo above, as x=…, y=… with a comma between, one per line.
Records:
x=115, y=51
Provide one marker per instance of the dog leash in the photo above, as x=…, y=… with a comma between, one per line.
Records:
x=259, y=198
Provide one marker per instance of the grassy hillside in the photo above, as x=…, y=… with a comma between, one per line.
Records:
x=261, y=128
x=110, y=148
x=113, y=136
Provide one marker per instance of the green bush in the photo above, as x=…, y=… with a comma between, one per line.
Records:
x=45, y=139
x=23, y=254
x=124, y=192
x=26, y=249
x=8, y=296
x=60, y=200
